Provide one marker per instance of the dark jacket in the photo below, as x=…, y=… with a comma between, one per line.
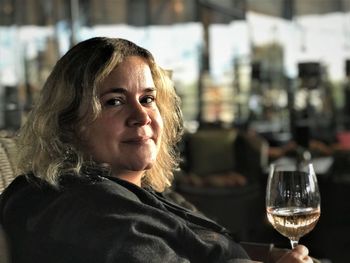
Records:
x=106, y=220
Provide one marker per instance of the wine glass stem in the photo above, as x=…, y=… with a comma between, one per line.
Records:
x=294, y=243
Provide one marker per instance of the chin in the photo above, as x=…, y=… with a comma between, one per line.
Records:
x=143, y=167
x=134, y=166
x=149, y=166
x=143, y=164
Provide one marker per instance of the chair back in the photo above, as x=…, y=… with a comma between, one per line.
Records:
x=8, y=152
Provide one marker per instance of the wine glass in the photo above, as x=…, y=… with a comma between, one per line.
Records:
x=293, y=200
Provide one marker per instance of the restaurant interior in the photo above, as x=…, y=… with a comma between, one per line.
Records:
x=261, y=82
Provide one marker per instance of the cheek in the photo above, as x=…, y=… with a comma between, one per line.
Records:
x=100, y=128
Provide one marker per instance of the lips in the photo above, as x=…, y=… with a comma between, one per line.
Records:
x=137, y=140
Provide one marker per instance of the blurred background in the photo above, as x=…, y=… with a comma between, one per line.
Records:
x=261, y=81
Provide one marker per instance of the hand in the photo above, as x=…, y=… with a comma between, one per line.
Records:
x=300, y=254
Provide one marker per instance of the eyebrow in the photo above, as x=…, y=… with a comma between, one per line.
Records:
x=125, y=91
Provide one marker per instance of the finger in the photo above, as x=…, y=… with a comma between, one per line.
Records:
x=294, y=257
x=308, y=259
x=302, y=250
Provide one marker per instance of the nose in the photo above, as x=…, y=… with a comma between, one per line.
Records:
x=138, y=115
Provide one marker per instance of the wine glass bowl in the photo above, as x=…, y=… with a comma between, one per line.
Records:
x=293, y=200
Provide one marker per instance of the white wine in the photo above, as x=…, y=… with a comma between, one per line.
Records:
x=293, y=222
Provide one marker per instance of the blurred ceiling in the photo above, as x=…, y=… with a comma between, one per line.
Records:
x=292, y=8
x=156, y=12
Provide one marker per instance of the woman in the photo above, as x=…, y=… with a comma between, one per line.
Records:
x=97, y=151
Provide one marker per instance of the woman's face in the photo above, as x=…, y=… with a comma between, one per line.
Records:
x=127, y=133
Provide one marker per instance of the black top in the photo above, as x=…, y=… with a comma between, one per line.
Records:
x=106, y=220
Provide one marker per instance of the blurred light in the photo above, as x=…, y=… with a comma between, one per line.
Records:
x=178, y=6
x=8, y=9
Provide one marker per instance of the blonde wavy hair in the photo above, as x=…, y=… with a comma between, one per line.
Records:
x=50, y=145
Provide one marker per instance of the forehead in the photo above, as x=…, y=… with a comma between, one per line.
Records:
x=132, y=71
x=134, y=64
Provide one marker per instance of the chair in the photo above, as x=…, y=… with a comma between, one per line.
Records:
x=222, y=177
x=215, y=151
x=8, y=151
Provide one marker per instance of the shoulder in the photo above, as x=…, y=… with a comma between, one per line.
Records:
x=95, y=187
x=22, y=188
x=28, y=193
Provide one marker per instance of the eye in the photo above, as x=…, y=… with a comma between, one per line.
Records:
x=148, y=100
x=114, y=102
